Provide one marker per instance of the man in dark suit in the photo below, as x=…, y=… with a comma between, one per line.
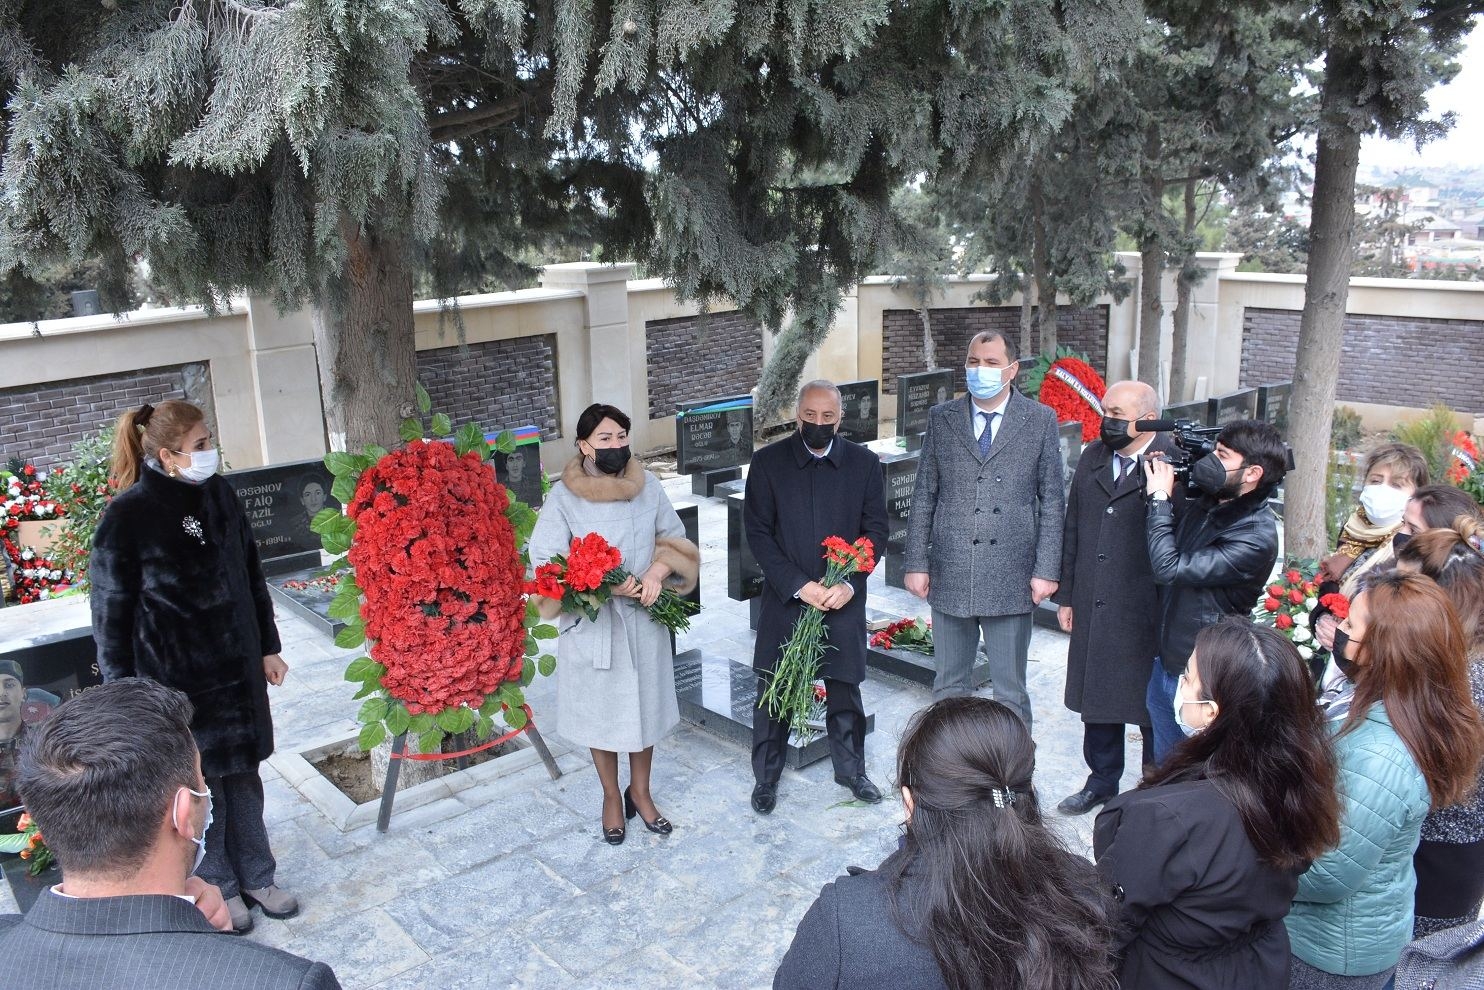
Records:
x=984, y=533
x=810, y=485
x=1107, y=591
x=113, y=780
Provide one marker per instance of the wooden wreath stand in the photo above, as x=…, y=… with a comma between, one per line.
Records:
x=461, y=759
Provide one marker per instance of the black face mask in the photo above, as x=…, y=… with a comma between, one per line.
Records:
x=611, y=460
x=1340, y=651
x=1114, y=433
x=1210, y=475
x=817, y=436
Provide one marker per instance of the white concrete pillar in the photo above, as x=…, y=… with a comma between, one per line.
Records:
x=285, y=375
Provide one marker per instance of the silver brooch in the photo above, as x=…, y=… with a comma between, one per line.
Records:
x=192, y=525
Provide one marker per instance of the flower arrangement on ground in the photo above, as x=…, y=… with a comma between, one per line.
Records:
x=789, y=696
x=37, y=577
x=1464, y=469
x=1289, y=602
x=1070, y=386
x=583, y=580
x=432, y=571
x=84, y=492
x=27, y=841
x=27, y=499
x=912, y=635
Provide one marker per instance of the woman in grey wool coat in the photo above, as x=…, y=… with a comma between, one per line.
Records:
x=615, y=674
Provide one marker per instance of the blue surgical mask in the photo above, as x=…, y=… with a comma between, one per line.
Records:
x=201, y=842
x=1181, y=702
x=985, y=383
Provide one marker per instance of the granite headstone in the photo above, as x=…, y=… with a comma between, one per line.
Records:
x=916, y=394
x=1234, y=406
x=1069, y=443
x=1195, y=412
x=860, y=410
x=1272, y=404
x=520, y=472
x=713, y=435
x=280, y=501
x=898, y=476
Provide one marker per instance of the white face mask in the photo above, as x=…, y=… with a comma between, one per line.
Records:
x=203, y=464
x=201, y=842
x=1180, y=703
x=1383, y=504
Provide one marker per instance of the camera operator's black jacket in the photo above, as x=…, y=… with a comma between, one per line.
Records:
x=1210, y=561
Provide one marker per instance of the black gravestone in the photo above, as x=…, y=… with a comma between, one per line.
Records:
x=1069, y=443
x=280, y=501
x=713, y=435
x=1195, y=412
x=1272, y=405
x=916, y=394
x=690, y=518
x=860, y=410
x=520, y=472
x=1233, y=406
x=720, y=695
x=910, y=665
x=744, y=576
x=898, y=476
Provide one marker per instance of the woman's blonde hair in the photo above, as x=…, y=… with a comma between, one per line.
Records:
x=142, y=432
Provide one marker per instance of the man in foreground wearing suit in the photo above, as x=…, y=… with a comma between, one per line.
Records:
x=984, y=533
x=1107, y=594
x=113, y=781
x=810, y=485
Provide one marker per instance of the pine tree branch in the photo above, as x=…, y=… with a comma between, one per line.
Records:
x=454, y=125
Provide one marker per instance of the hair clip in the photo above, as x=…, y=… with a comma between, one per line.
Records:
x=141, y=418
x=1003, y=797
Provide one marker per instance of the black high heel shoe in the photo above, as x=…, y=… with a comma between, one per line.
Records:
x=615, y=836
x=660, y=826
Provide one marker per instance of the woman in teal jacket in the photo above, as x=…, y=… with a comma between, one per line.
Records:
x=1408, y=737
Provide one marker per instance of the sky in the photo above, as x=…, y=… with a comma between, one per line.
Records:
x=1464, y=144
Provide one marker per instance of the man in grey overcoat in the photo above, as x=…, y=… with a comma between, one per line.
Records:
x=1107, y=596
x=984, y=532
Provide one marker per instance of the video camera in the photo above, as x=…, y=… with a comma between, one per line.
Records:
x=1192, y=441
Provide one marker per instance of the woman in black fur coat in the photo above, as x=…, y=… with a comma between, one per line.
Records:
x=178, y=596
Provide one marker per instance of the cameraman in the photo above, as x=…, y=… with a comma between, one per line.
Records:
x=1215, y=558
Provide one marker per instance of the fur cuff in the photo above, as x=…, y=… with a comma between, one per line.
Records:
x=684, y=560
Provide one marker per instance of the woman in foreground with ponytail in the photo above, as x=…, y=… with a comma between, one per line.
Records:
x=178, y=596
x=1206, y=855
x=980, y=894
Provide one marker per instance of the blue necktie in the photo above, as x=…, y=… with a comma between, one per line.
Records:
x=987, y=436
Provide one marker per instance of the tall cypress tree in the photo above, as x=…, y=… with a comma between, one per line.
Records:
x=332, y=153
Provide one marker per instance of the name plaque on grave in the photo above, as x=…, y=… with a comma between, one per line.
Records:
x=520, y=470
x=1233, y=406
x=1272, y=404
x=860, y=409
x=916, y=394
x=280, y=501
x=1195, y=412
x=898, y=476
x=713, y=435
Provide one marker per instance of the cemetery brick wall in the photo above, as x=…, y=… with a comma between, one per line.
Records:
x=691, y=358
x=499, y=384
x=1083, y=330
x=40, y=423
x=1388, y=360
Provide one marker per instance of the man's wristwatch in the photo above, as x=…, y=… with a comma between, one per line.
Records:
x=1159, y=496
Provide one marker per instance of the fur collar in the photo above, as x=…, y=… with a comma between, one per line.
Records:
x=607, y=488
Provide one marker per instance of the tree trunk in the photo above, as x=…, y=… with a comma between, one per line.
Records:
x=1184, y=294
x=929, y=350
x=1317, y=371
x=1041, y=267
x=1151, y=265
x=1026, y=318
x=363, y=333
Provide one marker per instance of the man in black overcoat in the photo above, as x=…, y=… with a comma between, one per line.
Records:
x=1107, y=598
x=808, y=486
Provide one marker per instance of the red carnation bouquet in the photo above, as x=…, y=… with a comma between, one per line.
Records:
x=789, y=696
x=912, y=635
x=583, y=580
x=1071, y=387
x=1288, y=604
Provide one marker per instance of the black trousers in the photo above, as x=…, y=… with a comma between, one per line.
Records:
x=1102, y=748
x=845, y=724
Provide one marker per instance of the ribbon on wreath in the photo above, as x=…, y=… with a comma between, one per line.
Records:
x=1070, y=380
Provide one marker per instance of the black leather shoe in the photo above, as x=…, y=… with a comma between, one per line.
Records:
x=765, y=798
x=660, y=826
x=1082, y=802
x=860, y=785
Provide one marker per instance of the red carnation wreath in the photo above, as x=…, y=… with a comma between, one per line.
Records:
x=436, y=560
x=1075, y=392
